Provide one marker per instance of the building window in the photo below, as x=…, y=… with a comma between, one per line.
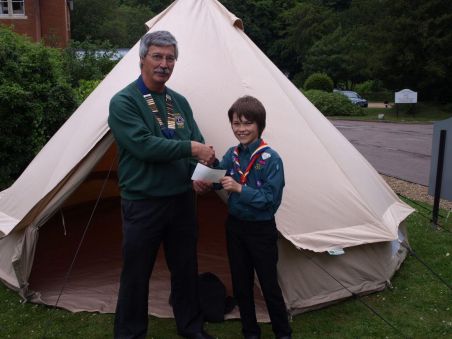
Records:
x=12, y=8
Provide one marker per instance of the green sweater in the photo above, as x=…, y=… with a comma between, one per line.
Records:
x=149, y=164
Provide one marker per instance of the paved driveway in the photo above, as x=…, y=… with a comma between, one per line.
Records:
x=399, y=150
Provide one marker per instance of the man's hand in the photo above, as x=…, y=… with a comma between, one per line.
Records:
x=204, y=153
x=202, y=187
x=230, y=185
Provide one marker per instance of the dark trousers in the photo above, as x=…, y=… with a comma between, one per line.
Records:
x=252, y=246
x=146, y=224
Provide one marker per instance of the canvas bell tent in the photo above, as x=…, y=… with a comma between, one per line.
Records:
x=333, y=198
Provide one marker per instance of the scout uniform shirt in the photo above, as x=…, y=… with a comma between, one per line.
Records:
x=262, y=193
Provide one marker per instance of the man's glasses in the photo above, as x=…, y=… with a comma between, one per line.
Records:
x=159, y=58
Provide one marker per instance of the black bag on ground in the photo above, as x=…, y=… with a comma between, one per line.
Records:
x=212, y=298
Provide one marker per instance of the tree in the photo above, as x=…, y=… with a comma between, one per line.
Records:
x=258, y=19
x=35, y=99
x=416, y=53
x=302, y=26
x=337, y=5
x=154, y=5
x=403, y=43
x=88, y=61
x=88, y=17
x=119, y=23
x=341, y=55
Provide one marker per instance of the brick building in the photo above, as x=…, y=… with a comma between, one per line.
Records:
x=46, y=20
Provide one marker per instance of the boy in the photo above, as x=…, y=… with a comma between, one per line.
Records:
x=255, y=181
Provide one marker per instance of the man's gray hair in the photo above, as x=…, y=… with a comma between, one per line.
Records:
x=157, y=38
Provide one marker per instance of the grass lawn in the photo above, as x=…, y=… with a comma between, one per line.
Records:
x=423, y=113
x=419, y=305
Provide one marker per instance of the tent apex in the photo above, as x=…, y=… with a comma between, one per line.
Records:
x=239, y=24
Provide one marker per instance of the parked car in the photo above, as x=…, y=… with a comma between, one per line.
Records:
x=354, y=97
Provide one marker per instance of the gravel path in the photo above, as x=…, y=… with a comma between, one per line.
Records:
x=414, y=191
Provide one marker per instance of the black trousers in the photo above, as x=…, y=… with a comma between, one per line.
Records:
x=252, y=246
x=146, y=224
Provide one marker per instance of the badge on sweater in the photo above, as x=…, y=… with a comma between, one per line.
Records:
x=180, y=121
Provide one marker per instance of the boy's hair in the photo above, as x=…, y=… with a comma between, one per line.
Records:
x=250, y=108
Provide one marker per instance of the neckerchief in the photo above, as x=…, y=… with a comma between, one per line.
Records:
x=256, y=154
x=169, y=131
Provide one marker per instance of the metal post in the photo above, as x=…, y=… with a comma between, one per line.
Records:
x=439, y=176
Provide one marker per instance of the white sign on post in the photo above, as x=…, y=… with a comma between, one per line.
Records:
x=405, y=96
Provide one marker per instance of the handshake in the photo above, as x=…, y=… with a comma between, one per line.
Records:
x=204, y=153
x=206, y=156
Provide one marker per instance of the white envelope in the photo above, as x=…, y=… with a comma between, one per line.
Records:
x=205, y=173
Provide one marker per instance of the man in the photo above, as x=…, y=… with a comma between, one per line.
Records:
x=157, y=139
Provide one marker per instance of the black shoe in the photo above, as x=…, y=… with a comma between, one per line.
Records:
x=285, y=337
x=253, y=337
x=200, y=335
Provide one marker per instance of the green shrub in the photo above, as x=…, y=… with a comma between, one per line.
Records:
x=84, y=89
x=331, y=104
x=373, y=90
x=298, y=80
x=319, y=81
x=35, y=99
x=88, y=60
x=380, y=96
x=368, y=86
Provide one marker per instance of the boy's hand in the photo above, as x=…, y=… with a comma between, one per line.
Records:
x=230, y=185
x=202, y=187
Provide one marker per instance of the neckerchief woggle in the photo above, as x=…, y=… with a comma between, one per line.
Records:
x=169, y=131
x=256, y=154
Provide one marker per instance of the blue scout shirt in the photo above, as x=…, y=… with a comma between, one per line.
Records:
x=262, y=194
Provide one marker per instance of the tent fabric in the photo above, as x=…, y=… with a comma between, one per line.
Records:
x=333, y=197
